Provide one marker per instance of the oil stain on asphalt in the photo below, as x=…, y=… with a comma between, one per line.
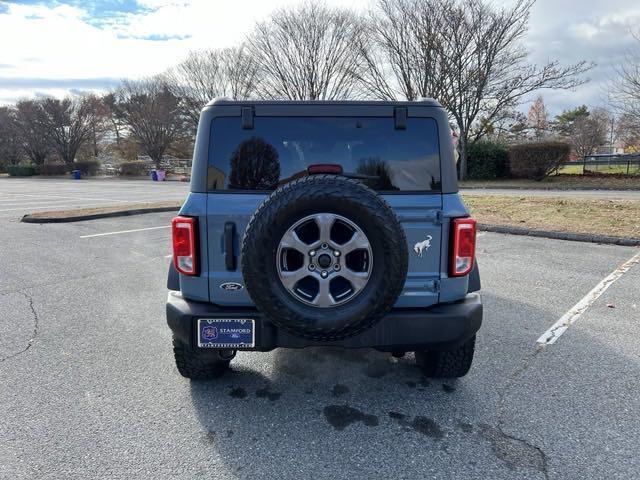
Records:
x=341, y=416
x=267, y=393
x=420, y=424
x=238, y=392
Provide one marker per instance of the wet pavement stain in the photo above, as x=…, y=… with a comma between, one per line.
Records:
x=515, y=452
x=378, y=369
x=229, y=433
x=420, y=424
x=238, y=392
x=341, y=416
x=465, y=427
x=339, y=389
x=267, y=393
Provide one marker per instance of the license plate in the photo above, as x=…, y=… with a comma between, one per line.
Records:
x=226, y=332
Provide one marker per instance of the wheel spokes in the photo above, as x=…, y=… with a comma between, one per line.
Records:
x=357, y=242
x=325, y=222
x=357, y=279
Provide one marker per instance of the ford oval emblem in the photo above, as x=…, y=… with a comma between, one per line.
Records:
x=231, y=286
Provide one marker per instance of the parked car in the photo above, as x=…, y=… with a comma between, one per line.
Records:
x=323, y=224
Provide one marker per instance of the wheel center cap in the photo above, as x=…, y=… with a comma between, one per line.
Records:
x=324, y=260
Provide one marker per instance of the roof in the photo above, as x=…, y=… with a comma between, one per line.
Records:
x=426, y=102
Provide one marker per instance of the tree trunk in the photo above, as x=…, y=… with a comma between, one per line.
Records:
x=463, y=155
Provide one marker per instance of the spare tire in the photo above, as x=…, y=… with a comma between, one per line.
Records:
x=324, y=257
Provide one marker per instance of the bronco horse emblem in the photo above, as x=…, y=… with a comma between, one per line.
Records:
x=420, y=247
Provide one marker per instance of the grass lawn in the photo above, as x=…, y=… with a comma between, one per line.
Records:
x=620, y=169
x=561, y=182
x=605, y=217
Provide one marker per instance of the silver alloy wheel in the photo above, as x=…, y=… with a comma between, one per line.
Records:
x=332, y=261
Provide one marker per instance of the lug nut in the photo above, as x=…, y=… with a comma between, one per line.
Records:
x=312, y=253
x=312, y=267
x=336, y=253
x=324, y=274
x=336, y=266
x=324, y=246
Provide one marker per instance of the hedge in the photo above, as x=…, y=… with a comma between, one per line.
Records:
x=22, y=170
x=488, y=160
x=136, y=167
x=53, y=169
x=87, y=167
x=537, y=160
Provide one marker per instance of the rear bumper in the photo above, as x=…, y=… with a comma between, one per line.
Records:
x=441, y=327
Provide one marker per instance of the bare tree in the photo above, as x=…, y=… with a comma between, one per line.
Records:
x=589, y=131
x=33, y=130
x=308, y=53
x=538, y=118
x=69, y=124
x=151, y=114
x=625, y=91
x=206, y=74
x=10, y=151
x=465, y=53
x=99, y=124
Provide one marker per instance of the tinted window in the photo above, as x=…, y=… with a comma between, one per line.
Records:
x=279, y=149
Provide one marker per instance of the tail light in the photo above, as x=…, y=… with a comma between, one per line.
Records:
x=463, y=246
x=185, y=257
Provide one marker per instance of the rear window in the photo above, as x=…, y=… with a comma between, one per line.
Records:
x=280, y=149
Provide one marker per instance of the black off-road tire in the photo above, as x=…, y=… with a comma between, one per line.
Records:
x=324, y=194
x=200, y=364
x=447, y=364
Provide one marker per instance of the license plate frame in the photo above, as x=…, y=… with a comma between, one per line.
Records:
x=226, y=332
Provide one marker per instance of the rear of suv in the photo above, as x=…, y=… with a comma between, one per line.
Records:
x=323, y=224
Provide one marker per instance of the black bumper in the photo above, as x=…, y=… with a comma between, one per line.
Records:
x=441, y=327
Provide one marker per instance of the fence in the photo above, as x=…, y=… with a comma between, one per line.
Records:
x=628, y=164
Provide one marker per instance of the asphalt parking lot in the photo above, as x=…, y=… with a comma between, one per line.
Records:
x=88, y=387
x=19, y=196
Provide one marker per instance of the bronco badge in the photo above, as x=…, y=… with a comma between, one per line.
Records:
x=422, y=246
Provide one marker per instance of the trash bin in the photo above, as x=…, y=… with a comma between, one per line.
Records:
x=161, y=174
x=76, y=174
x=154, y=175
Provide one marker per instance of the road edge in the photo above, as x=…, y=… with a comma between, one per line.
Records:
x=574, y=237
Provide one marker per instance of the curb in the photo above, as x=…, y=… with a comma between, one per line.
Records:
x=78, y=218
x=574, y=237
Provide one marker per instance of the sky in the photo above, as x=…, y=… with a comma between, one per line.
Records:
x=72, y=46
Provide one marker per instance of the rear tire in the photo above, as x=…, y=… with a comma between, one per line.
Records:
x=201, y=364
x=447, y=364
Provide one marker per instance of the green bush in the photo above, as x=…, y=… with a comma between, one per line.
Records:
x=87, y=167
x=488, y=160
x=53, y=169
x=535, y=161
x=22, y=170
x=136, y=167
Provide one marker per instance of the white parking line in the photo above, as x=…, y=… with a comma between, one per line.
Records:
x=557, y=329
x=124, y=231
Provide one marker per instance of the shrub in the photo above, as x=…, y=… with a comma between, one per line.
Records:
x=136, y=167
x=488, y=160
x=22, y=170
x=537, y=160
x=53, y=169
x=87, y=167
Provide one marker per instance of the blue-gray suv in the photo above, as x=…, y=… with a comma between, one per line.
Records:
x=323, y=224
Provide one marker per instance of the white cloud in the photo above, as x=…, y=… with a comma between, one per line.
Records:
x=65, y=42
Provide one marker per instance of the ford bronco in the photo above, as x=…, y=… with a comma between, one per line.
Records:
x=323, y=224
